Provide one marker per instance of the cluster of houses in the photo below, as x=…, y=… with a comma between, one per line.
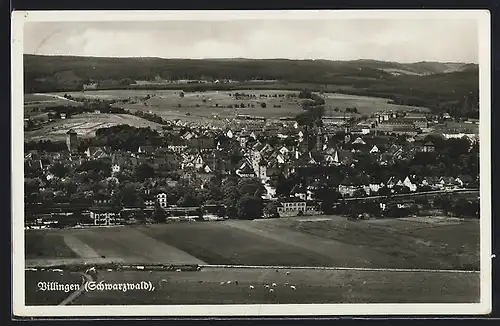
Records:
x=200, y=151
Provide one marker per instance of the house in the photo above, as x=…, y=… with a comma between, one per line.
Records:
x=207, y=169
x=360, y=130
x=245, y=170
x=447, y=183
x=359, y=140
x=425, y=147
x=146, y=150
x=374, y=149
x=465, y=181
x=291, y=207
x=187, y=135
x=406, y=130
x=284, y=150
x=375, y=185
x=299, y=191
x=393, y=181
x=351, y=184
x=270, y=192
x=432, y=182
x=102, y=199
x=198, y=162
x=341, y=157
x=104, y=216
x=177, y=148
x=115, y=168
x=162, y=199
x=149, y=203
x=410, y=182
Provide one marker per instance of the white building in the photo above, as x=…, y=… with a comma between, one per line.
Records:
x=104, y=217
x=162, y=199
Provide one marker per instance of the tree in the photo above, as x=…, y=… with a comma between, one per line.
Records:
x=317, y=111
x=271, y=209
x=159, y=214
x=129, y=195
x=144, y=171
x=457, y=146
x=31, y=190
x=59, y=170
x=306, y=104
x=70, y=187
x=305, y=94
x=263, y=105
x=251, y=187
x=181, y=94
x=304, y=119
x=249, y=207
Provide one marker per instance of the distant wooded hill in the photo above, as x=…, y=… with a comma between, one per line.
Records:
x=440, y=86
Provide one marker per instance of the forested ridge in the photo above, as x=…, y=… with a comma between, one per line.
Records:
x=439, y=86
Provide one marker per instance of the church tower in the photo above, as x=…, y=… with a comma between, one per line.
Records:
x=71, y=140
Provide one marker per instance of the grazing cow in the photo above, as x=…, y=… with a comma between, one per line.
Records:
x=274, y=284
x=251, y=287
x=293, y=287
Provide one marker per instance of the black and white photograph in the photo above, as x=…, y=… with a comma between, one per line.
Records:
x=255, y=163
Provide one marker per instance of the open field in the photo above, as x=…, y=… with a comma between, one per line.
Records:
x=203, y=104
x=46, y=243
x=33, y=294
x=35, y=104
x=287, y=242
x=415, y=243
x=86, y=125
x=312, y=286
x=99, y=245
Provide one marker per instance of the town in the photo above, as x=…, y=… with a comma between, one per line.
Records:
x=322, y=161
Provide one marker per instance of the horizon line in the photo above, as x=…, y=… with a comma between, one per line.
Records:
x=244, y=58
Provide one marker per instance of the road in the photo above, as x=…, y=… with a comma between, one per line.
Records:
x=415, y=194
x=77, y=293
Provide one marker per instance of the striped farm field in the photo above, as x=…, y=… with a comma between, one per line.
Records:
x=332, y=241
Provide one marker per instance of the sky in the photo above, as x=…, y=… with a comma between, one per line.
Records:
x=403, y=40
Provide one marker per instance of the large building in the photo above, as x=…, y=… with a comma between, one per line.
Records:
x=103, y=216
x=71, y=140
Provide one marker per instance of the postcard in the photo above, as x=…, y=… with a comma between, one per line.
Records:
x=251, y=163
